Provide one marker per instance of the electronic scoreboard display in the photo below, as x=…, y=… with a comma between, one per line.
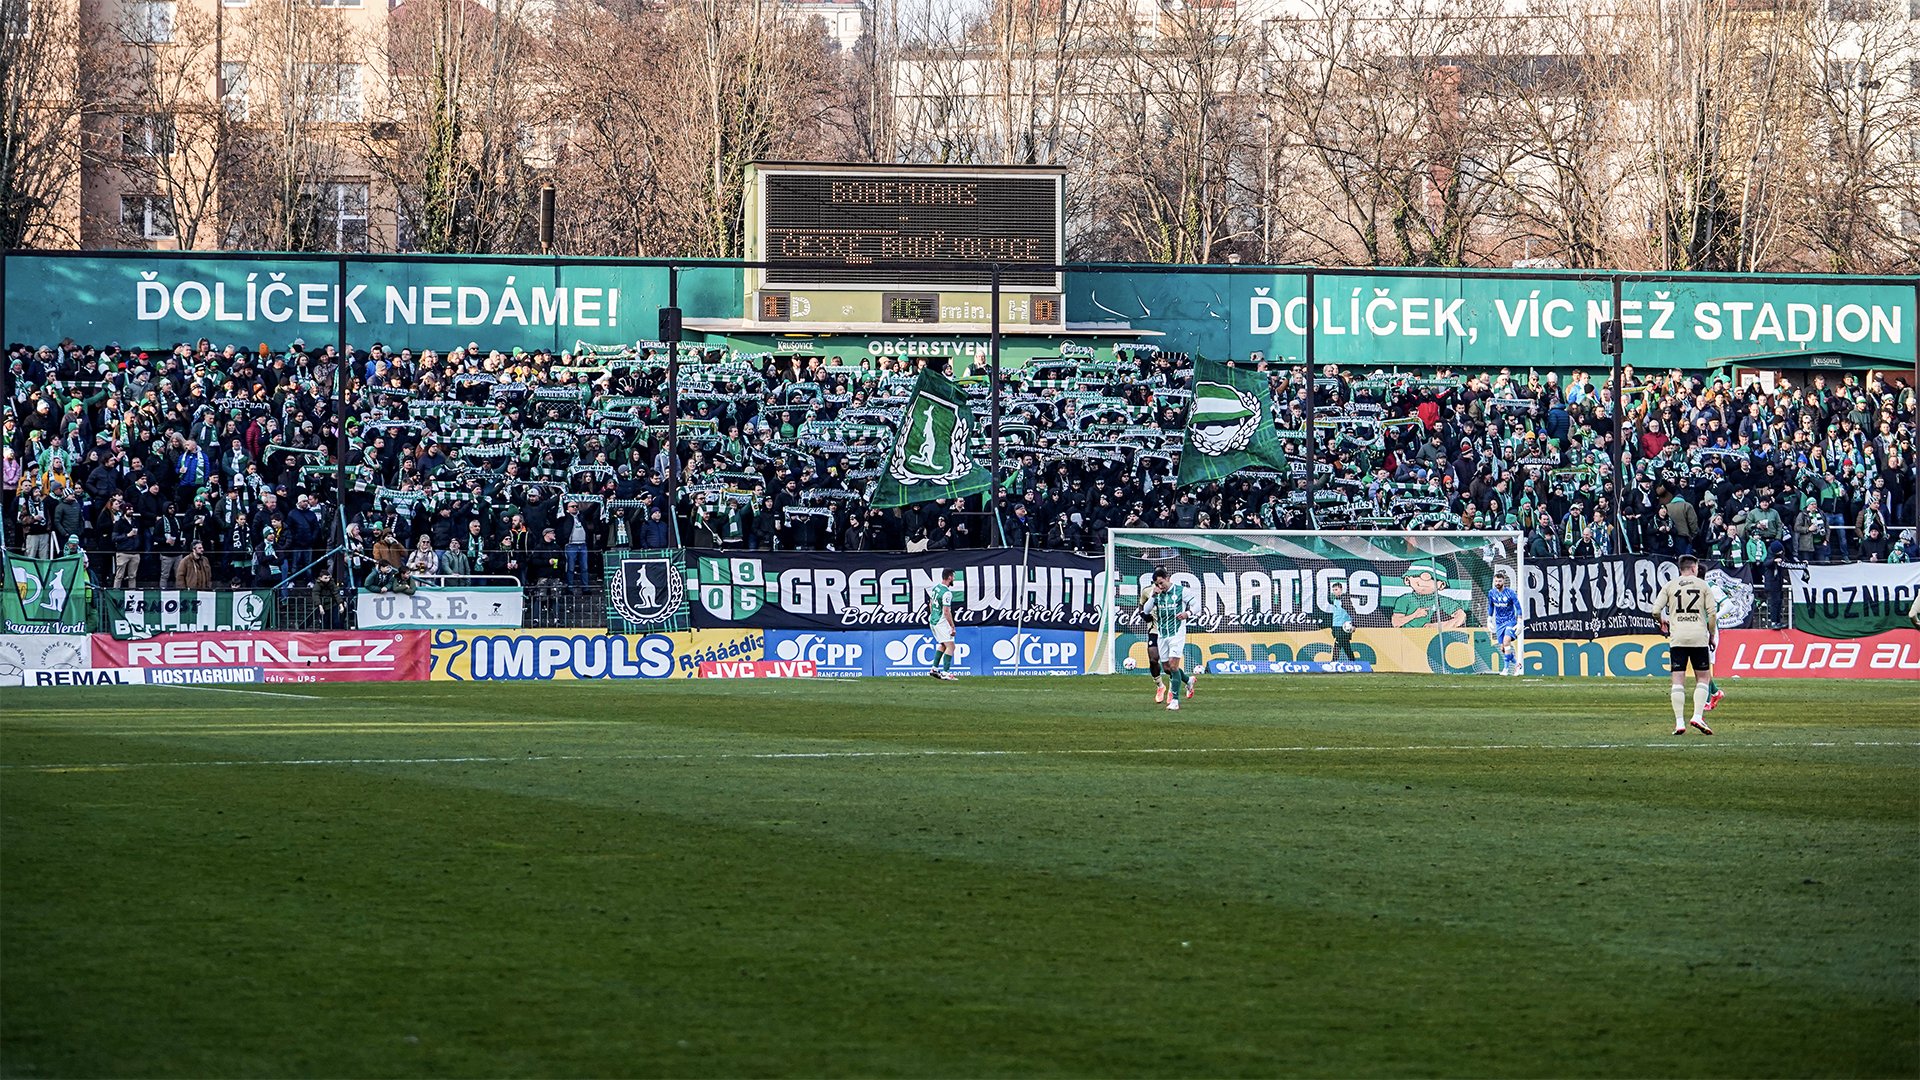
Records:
x=856, y=227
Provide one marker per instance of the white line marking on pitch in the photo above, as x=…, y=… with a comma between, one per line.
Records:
x=231, y=690
x=817, y=755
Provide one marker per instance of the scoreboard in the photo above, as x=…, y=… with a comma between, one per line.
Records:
x=852, y=227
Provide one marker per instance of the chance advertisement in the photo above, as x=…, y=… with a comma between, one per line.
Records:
x=1415, y=652
x=1794, y=654
x=22, y=653
x=586, y=653
x=146, y=612
x=433, y=609
x=283, y=657
x=1612, y=595
x=1854, y=599
x=1048, y=590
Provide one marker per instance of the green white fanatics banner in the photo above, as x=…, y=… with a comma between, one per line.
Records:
x=1854, y=599
x=142, y=613
x=44, y=596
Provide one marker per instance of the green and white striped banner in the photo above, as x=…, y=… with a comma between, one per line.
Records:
x=127, y=613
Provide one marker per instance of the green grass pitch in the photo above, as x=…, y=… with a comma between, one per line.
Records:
x=1390, y=876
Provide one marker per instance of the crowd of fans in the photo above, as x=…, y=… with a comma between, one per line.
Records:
x=210, y=464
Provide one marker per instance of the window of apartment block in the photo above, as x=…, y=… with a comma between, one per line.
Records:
x=337, y=3
x=1849, y=10
x=336, y=212
x=150, y=22
x=333, y=93
x=233, y=90
x=149, y=217
x=146, y=136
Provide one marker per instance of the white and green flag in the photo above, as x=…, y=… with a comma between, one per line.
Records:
x=930, y=457
x=44, y=596
x=142, y=613
x=1230, y=426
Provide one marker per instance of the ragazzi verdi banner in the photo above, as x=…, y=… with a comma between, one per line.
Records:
x=283, y=657
x=1045, y=590
x=1792, y=654
x=1419, y=652
x=1854, y=599
x=1612, y=596
x=586, y=653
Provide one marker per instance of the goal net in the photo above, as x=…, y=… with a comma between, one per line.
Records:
x=1413, y=601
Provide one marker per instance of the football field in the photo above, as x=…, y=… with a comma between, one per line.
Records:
x=1335, y=876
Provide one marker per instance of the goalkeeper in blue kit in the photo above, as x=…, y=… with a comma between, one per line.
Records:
x=1503, y=614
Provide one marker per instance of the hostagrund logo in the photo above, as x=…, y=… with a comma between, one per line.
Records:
x=1224, y=418
x=648, y=589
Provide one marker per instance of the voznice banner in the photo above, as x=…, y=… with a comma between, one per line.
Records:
x=1612, y=596
x=1048, y=590
x=1854, y=599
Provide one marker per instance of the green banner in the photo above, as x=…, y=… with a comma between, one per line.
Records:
x=1230, y=426
x=145, y=612
x=646, y=590
x=145, y=299
x=930, y=458
x=1854, y=599
x=1522, y=319
x=45, y=596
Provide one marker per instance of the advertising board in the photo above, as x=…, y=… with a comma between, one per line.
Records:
x=21, y=653
x=586, y=653
x=434, y=609
x=1794, y=654
x=282, y=656
x=1416, y=651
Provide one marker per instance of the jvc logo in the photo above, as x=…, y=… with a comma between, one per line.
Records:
x=1034, y=650
x=835, y=652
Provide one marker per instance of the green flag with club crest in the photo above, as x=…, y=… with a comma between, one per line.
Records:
x=930, y=458
x=1230, y=426
x=43, y=596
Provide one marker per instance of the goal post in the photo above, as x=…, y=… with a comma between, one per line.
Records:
x=1418, y=600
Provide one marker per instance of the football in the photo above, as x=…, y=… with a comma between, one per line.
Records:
x=1129, y=663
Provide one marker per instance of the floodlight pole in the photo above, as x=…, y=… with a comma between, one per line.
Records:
x=1307, y=354
x=340, y=416
x=670, y=335
x=993, y=404
x=1619, y=449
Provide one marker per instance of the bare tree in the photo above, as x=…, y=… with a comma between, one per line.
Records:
x=1858, y=209
x=1713, y=80
x=1175, y=108
x=41, y=105
x=305, y=91
x=656, y=153
x=1391, y=144
x=162, y=123
x=460, y=123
